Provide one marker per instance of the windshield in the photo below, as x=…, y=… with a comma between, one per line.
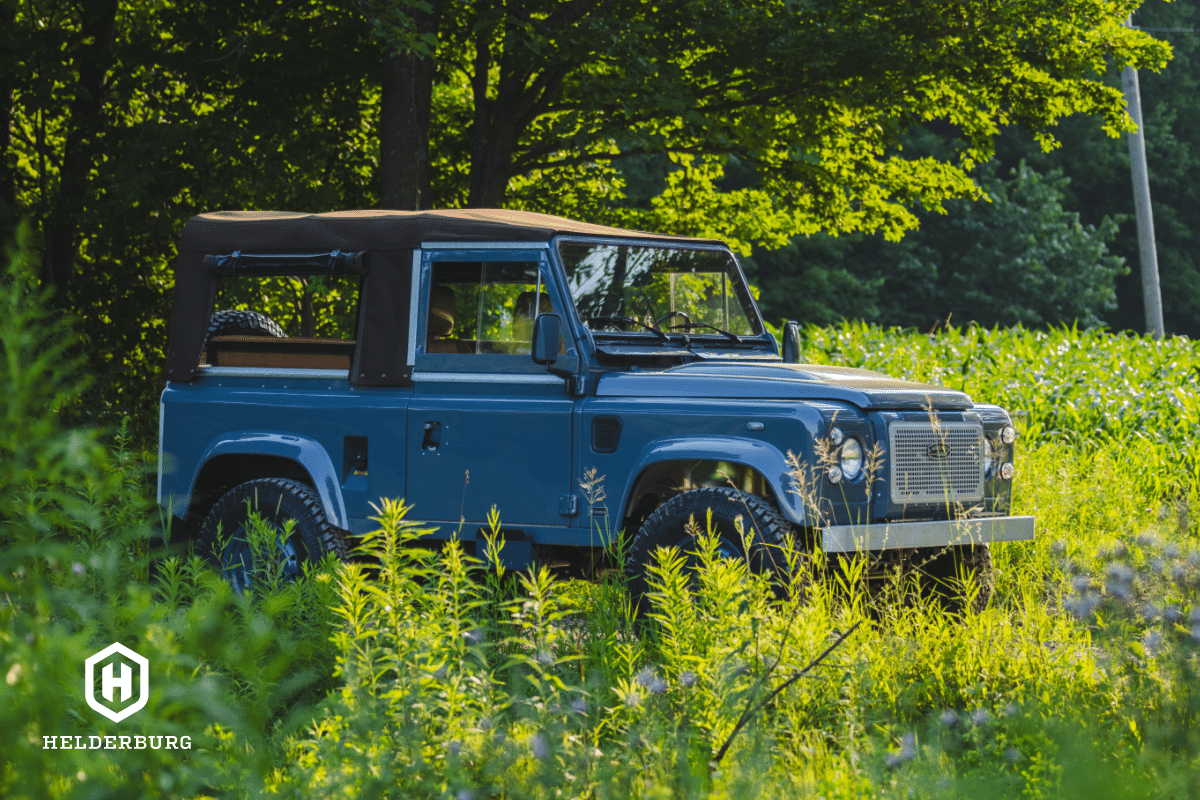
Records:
x=675, y=289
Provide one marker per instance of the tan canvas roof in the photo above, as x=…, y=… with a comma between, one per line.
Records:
x=226, y=231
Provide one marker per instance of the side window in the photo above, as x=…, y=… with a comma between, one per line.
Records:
x=287, y=322
x=484, y=307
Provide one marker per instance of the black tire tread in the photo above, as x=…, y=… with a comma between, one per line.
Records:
x=232, y=322
x=331, y=538
x=771, y=532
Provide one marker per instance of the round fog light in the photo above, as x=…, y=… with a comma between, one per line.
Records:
x=1008, y=434
x=1006, y=472
x=836, y=436
x=835, y=474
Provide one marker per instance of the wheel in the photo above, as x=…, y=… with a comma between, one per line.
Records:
x=766, y=529
x=276, y=500
x=940, y=576
x=242, y=323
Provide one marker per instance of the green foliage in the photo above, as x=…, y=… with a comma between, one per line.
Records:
x=439, y=674
x=1015, y=257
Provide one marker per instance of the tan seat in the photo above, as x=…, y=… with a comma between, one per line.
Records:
x=441, y=323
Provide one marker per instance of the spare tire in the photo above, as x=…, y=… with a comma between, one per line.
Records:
x=242, y=323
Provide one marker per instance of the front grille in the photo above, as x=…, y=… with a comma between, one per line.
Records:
x=936, y=465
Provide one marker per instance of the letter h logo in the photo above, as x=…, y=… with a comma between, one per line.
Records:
x=114, y=676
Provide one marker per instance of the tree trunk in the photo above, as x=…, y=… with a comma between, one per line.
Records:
x=404, y=180
x=87, y=105
x=493, y=130
x=8, y=175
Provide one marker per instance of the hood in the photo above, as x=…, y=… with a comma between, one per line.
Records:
x=778, y=381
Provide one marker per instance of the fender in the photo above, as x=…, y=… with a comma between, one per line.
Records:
x=308, y=453
x=753, y=453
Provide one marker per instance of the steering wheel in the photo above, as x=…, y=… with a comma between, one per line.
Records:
x=670, y=314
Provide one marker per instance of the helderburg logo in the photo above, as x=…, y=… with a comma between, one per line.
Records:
x=117, y=684
x=124, y=680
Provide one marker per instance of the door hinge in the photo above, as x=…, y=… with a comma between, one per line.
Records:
x=568, y=505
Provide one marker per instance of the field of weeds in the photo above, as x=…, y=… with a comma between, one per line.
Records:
x=428, y=675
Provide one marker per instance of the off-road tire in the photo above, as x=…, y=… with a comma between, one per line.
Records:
x=765, y=528
x=939, y=578
x=276, y=500
x=242, y=323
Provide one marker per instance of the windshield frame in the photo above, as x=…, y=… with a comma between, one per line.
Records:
x=699, y=336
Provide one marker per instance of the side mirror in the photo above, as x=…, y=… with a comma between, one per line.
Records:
x=791, y=342
x=547, y=331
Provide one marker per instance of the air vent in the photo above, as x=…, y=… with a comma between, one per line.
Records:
x=606, y=434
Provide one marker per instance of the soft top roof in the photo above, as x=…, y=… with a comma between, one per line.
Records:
x=226, y=231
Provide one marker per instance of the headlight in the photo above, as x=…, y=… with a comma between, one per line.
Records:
x=1008, y=434
x=850, y=459
x=989, y=456
x=836, y=436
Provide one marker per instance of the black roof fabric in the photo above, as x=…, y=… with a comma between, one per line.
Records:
x=226, y=231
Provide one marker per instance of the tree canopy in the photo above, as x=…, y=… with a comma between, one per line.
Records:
x=755, y=121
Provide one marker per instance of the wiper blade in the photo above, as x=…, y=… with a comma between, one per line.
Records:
x=687, y=326
x=662, y=337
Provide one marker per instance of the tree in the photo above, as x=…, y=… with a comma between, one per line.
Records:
x=1015, y=257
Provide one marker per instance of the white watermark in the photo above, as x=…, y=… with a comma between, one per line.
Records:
x=120, y=678
x=113, y=680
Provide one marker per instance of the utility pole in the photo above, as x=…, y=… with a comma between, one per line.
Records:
x=1151, y=293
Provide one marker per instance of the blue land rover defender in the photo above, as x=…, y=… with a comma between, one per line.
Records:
x=580, y=378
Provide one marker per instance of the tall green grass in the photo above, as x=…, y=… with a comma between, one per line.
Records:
x=419, y=673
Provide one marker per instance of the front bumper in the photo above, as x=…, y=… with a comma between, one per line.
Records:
x=900, y=534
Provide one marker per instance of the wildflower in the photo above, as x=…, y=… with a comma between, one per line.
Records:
x=539, y=746
x=1171, y=550
x=1151, y=641
x=1080, y=582
x=579, y=706
x=1196, y=632
x=1119, y=590
x=948, y=718
x=1081, y=607
x=908, y=751
x=633, y=699
x=1193, y=559
x=465, y=794
x=1009, y=710
x=1157, y=566
x=473, y=636
x=1172, y=614
x=1178, y=573
x=485, y=724
x=1012, y=755
x=77, y=568
x=687, y=679
x=545, y=659
x=1147, y=540
x=1058, y=547
x=1120, y=572
x=1150, y=611
x=981, y=717
x=649, y=680
x=1120, y=551
x=454, y=747
x=440, y=673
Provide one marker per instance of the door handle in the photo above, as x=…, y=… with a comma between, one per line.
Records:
x=433, y=436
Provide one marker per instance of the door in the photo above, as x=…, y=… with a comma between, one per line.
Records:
x=486, y=426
